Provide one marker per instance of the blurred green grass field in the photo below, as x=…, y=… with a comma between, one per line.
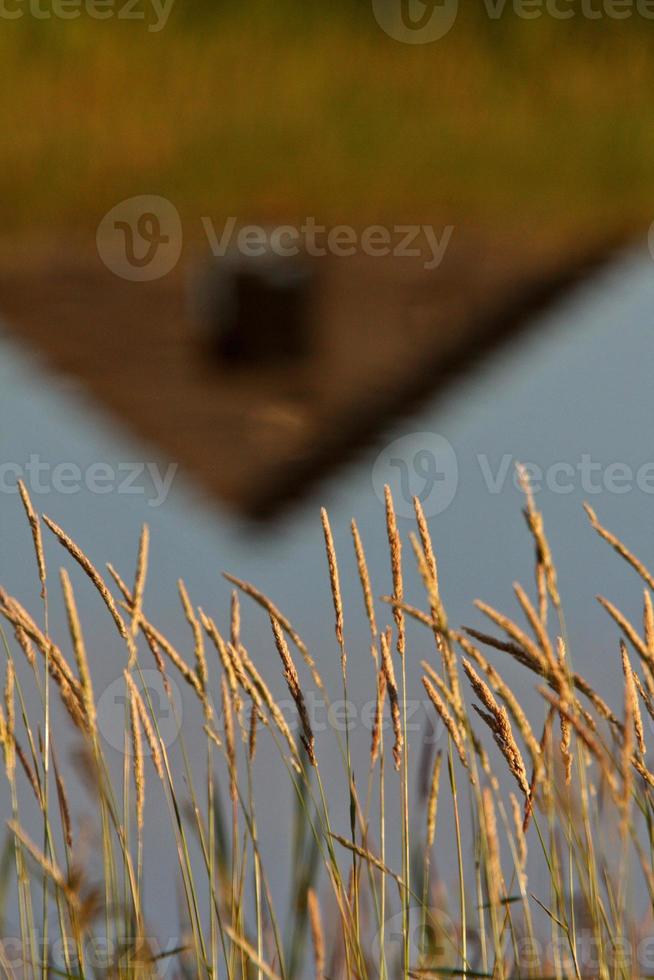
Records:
x=266, y=111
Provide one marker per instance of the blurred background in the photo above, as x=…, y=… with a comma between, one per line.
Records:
x=519, y=135
x=278, y=111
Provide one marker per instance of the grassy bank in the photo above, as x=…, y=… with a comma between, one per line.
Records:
x=551, y=826
x=264, y=114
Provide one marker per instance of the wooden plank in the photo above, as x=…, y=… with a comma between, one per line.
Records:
x=389, y=334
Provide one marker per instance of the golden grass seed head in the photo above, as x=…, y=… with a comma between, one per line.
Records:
x=364, y=578
x=272, y=610
x=378, y=720
x=391, y=686
x=79, y=649
x=293, y=683
x=395, y=547
x=334, y=580
x=201, y=668
x=91, y=571
x=139, y=580
x=137, y=760
x=150, y=736
x=35, y=526
x=432, y=801
x=452, y=727
x=230, y=742
x=317, y=934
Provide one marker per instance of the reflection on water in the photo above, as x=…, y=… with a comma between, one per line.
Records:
x=575, y=398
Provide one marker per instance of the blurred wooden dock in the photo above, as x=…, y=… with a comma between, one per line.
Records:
x=388, y=334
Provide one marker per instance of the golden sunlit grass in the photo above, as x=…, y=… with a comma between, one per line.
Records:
x=273, y=116
x=562, y=836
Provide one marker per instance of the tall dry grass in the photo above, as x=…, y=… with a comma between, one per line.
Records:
x=551, y=853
